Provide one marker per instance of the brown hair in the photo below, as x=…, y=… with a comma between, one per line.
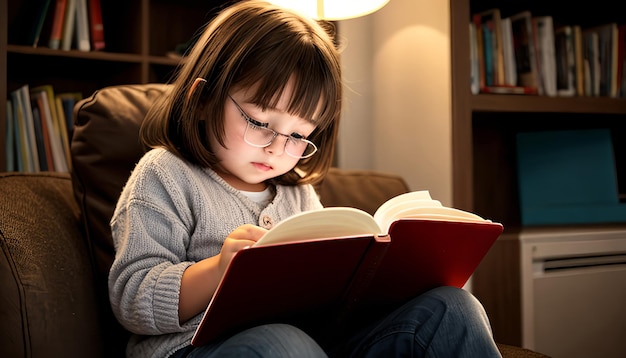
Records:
x=252, y=43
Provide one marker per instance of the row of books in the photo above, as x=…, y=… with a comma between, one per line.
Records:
x=528, y=54
x=38, y=129
x=59, y=24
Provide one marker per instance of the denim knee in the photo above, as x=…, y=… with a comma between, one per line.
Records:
x=270, y=340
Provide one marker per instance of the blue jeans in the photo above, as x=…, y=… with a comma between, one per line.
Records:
x=443, y=322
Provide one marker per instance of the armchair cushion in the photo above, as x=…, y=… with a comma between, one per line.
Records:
x=48, y=307
x=105, y=148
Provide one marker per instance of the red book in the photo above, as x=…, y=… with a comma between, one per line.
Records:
x=56, y=35
x=96, y=26
x=328, y=264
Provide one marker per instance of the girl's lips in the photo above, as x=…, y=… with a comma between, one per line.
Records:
x=262, y=166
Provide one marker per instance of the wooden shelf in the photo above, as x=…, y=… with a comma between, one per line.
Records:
x=529, y=104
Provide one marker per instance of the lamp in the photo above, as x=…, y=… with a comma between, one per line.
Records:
x=333, y=9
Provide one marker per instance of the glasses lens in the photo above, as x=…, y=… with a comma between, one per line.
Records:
x=300, y=148
x=258, y=136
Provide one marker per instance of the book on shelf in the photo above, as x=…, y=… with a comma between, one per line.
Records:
x=42, y=122
x=605, y=79
x=82, y=26
x=565, y=48
x=524, y=48
x=474, y=60
x=510, y=67
x=579, y=59
x=96, y=26
x=39, y=140
x=66, y=102
x=490, y=21
x=336, y=262
x=25, y=130
x=56, y=128
x=543, y=31
x=621, y=60
x=9, y=139
x=69, y=25
x=58, y=19
x=592, y=63
x=42, y=20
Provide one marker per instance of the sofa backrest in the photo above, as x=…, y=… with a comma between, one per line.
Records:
x=105, y=148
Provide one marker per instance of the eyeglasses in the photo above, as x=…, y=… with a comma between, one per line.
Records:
x=257, y=134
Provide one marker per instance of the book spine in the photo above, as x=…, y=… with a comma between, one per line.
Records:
x=363, y=276
x=57, y=24
x=10, y=138
x=68, y=25
x=38, y=26
x=82, y=26
x=96, y=25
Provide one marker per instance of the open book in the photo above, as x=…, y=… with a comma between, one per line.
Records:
x=336, y=261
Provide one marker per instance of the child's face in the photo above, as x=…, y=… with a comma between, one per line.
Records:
x=247, y=167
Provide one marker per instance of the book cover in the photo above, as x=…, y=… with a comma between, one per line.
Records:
x=335, y=262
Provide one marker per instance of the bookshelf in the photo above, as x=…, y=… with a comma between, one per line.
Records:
x=484, y=159
x=139, y=34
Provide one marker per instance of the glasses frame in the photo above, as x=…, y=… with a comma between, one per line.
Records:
x=251, y=122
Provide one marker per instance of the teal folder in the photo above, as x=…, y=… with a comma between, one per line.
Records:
x=568, y=177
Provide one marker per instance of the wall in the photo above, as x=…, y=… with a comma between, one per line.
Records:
x=397, y=114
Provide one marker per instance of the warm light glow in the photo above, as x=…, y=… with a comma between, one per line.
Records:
x=333, y=9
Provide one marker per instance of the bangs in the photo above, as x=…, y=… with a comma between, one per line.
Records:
x=315, y=92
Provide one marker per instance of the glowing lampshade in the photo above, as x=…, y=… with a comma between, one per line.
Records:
x=333, y=9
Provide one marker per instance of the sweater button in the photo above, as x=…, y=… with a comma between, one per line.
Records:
x=267, y=222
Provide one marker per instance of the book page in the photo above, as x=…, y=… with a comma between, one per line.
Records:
x=319, y=224
x=419, y=205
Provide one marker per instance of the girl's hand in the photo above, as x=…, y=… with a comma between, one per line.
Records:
x=243, y=236
x=200, y=280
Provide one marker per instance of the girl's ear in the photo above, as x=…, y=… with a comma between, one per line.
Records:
x=197, y=85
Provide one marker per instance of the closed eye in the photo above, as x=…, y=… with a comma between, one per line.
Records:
x=254, y=123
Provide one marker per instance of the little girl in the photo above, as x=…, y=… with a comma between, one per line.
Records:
x=250, y=123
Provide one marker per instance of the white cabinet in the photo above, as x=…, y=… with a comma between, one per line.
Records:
x=573, y=291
